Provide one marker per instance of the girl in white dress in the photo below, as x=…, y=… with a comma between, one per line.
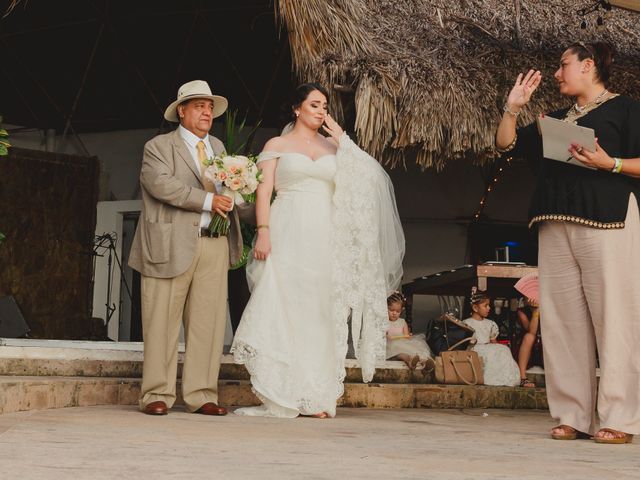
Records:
x=329, y=247
x=401, y=343
x=499, y=367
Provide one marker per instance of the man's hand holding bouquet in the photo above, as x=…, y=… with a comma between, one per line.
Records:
x=239, y=177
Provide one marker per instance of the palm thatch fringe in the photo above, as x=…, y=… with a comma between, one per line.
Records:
x=430, y=77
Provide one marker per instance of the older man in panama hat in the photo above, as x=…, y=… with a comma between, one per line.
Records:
x=183, y=266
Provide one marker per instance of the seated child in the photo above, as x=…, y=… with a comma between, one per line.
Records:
x=499, y=367
x=401, y=344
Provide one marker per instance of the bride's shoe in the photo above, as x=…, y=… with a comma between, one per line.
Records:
x=317, y=415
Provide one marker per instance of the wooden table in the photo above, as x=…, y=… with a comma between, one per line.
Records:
x=497, y=279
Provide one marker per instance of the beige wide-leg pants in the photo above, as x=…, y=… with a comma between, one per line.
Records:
x=590, y=296
x=198, y=298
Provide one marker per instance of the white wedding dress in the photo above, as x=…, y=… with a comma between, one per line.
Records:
x=286, y=337
x=293, y=334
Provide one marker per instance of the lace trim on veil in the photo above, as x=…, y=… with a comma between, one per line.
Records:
x=368, y=247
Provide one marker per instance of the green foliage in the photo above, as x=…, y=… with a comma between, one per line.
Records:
x=234, y=145
x=243, y=258
x=2, y=237
x=4, y=141
x=233, y=142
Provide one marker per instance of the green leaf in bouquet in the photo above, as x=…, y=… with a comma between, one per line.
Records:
x=249, y=197
x=243, y=258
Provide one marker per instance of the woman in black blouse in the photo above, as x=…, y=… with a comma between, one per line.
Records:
x=589, y=254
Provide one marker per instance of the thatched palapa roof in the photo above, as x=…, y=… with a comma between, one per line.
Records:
x=430, y=77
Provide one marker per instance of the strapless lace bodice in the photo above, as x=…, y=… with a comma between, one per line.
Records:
x=296, y=172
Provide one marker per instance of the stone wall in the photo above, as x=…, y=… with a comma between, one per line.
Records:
x=48, y=214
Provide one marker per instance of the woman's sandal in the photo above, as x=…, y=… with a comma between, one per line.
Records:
x=617, y=438
x=568, y=433
x=526, y=383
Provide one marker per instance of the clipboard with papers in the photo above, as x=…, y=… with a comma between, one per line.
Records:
x=557, y=137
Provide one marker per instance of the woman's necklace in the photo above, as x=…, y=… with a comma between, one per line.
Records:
x=304, y=138
x=580, y=109
x=577, y=111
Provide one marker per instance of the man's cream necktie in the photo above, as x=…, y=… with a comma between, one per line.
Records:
x=202, y=156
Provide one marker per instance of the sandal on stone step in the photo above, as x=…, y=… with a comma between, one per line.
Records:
x=568, y=433
x=526, y=383
x=617, y=439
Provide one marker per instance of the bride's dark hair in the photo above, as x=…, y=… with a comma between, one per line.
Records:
x=301, y=93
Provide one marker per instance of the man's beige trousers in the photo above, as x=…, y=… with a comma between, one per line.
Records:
x=198, y=298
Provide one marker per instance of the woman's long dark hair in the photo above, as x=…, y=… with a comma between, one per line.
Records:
x=602, y=55
x=299, y=95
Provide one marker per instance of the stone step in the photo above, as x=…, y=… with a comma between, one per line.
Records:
x=82, y=360
x=19, y=393
x=19, y=357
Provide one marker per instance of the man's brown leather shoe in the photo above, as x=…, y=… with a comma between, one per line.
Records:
x=156, y=408
x=211, y=408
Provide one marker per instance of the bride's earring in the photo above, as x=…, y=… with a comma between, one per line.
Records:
x=297, y=114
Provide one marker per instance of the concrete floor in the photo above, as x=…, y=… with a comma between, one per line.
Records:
x=118, y=442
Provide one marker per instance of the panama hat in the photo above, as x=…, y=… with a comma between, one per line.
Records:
x=195, y=89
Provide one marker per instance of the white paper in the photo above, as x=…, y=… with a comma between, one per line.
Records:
x=557, y=137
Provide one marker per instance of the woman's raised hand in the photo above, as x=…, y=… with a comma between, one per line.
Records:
x=332, y=128
x=522, y=90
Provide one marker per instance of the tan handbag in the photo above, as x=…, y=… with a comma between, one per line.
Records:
x=457, y=367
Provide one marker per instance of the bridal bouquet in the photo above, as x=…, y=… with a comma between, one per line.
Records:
x=239, y=177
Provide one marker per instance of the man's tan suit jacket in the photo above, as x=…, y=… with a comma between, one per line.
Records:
x=172, y=197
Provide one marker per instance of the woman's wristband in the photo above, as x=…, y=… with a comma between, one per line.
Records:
x=617, y=166
x=258, y=227
x=509, y=147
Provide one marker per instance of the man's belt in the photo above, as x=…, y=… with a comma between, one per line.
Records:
x=205, y=232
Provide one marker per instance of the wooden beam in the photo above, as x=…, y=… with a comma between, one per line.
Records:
x=628, y=4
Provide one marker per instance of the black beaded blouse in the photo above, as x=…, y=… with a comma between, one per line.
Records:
x=594, y=198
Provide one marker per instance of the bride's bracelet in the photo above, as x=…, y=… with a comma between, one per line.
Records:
x=258, y=227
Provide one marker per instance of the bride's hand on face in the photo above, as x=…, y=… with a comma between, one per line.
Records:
x=522, y=90
x=262, y=248
x=332, y=128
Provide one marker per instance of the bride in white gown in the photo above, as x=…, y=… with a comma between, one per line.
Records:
x=329, y=246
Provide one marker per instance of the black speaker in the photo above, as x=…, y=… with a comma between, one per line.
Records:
x=12, y=323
